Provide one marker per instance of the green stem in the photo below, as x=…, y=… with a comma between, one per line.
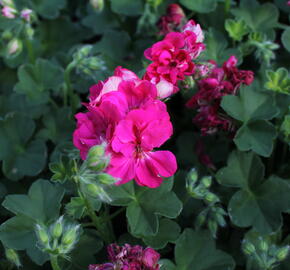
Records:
x=54, y=263
x=68, y=91
x=29, y=47
x=227, y=6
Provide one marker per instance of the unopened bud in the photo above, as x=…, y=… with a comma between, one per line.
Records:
x=192, y=177
x=106, y=179
x=248, y=248
x=206, y=181
x=12, y=256
x=97, y=159
x=70, y=236
x=201, y=219
x=220, y=219
x=282, y=253
x=98, y=5
x=58, y=228
x=14, y=47
x=42, y=234
x=9, y=12
x=211, y=198
x=26, y=14
x=263, y=245
x=212, y=225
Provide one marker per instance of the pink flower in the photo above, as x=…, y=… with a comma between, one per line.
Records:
x=135, y=137
x=129, y=258
x=172, y=21
x=288, y=3
x=26, y=14
x=150, y=257
x=9, y=12
x=194, y=28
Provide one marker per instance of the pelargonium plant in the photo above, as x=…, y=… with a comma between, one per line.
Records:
x=145, y=135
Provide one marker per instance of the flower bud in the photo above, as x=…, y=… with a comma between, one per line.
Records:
x=201, y=218
x=248, y=248
x=150, y=257
x=106, y=179
x=12, y=256
x=42, y=234
x=282, y=253
x=211, y=198
x=58, y=228
x=97, y=159
x=212, y=225
x=263, y=245
x=70, y=236
x=26, y=14
x=98, y=5
x=206, y=181
x=14, y=47
x=9, y=12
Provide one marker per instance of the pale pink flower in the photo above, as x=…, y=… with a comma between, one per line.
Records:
x=26, y=14
x=9, y=12
x=196, y=29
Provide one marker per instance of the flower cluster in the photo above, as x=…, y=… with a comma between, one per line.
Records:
x=172, y=58
x=129, y=258
x=172, y=21
x=217, y=83
x=124, y=112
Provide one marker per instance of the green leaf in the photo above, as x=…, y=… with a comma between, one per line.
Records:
x=36, y=80
x=100, y=22
x=200, y=6
x=253, y=108
x=20, y=155
x=278, y=81
x=195, y=250
x=42, y=203
x=217, y=47
x=286, y=39
x=260, y=18
x=236, y=29
x=48, y=9
x=127, y=7
x=76, y=207
x=168, y=232
x=145, y=205
x=257, y=136
x=259, y=203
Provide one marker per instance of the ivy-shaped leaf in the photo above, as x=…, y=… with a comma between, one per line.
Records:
x=195, y=250
x=42, y=204
x=145, y=205
x=260, y=18
x=35, y=80
x=286, y=39
x=168, y=232
x=278, y=81
x=253, y=108
x=259, y=203
x=21, y=156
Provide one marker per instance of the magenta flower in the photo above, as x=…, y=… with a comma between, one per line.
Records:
x=129, y=258
x=26, y=14
x=135, y=137
x=288, y=3
x=124, y=113
x=172, y=21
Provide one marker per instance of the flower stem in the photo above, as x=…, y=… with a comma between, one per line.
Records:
x=68, y=91
x=54, y=263
x=29, y=47
x=227, y=6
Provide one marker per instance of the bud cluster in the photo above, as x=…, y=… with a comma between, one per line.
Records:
x=12, y=257
x=59, y=238
x=213, y=215
x=264, y=253
x=86, y=62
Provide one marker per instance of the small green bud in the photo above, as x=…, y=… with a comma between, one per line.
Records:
x=7, y=35
x=93, y=189
x=57, y=228
x=248, y=248
x=212, y=225
x=220, y=219
x=12, y=256
x=211, y=198
x=206, y=181
x=263, y=245
x=70, y=236
x=282, y=253
x=106, y=179
x=188, y=83
x=201, y=218
x=97, y=159
x=98, y=5
x=42, y=234
x=14, y=47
